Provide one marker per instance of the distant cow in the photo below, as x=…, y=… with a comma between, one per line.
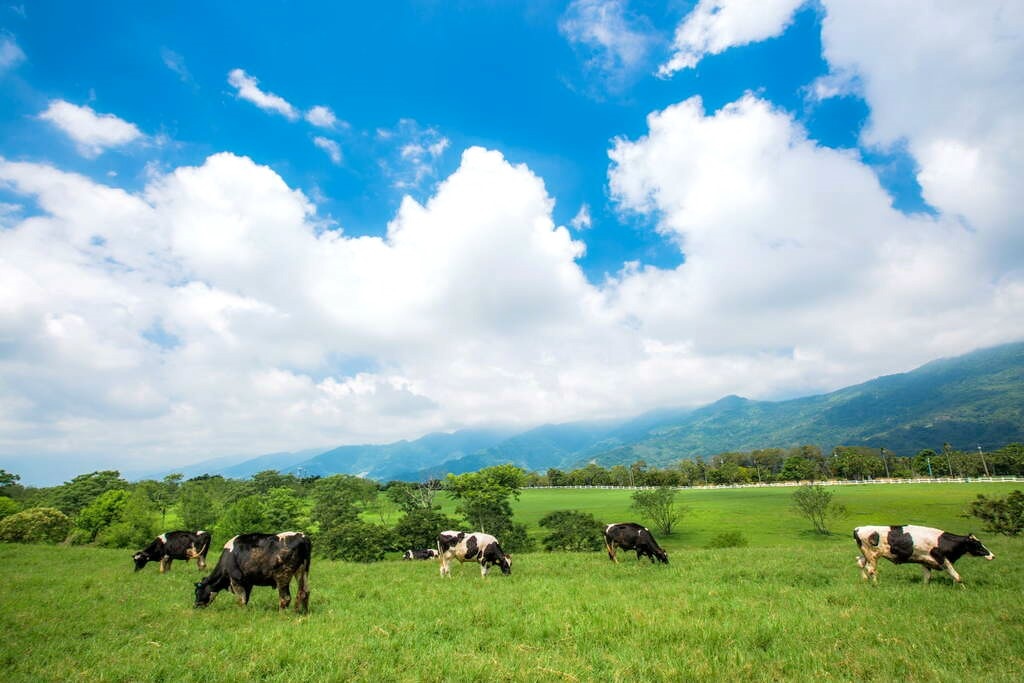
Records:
x=630, y=536
x=261, y=560
x=175, y=545
x=468, y=547
x=930, y=548
x=425, y=554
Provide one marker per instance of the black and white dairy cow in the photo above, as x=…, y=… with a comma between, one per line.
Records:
x=930, y=548
x=631, y=536
x=425, y=554
x=261, y=560
x=175, y=545
x=472, y=547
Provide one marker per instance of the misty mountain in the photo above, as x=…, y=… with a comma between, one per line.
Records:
x=970, y=400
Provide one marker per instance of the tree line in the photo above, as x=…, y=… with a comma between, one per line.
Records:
x=353, y=518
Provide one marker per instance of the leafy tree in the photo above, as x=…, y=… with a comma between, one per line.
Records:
x=196, y=505
x=8, y=480
x=103, y=511
x=8, y=507
x=165, y=494
x=283, y=510
x=796, y=468
x=354, y=541
x=816, y=503
x=244, y=516
x=857, y=462
x=263, y=482
x=337, y=499
x=409, y=497
x=925, y=462
x=572, y=530
x=659, y=506
x=483, y=497
x=136, y=525
x=1000, y=515
x=419, y=527
x=71, y=497
x=35, y=525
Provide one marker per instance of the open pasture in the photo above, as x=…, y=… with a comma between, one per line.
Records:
x=793, y=609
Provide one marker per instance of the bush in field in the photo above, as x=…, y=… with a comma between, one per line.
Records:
x=659, y=506
x=1000, y=515
x=103, y=511
x=418, y=528
x=244, y=516
x=35, y=525
x=572, y=530
x=814, y=502
x=354, y=541
x=728, y=539
x=136, y=526
x=283, y=510
x=8, y=507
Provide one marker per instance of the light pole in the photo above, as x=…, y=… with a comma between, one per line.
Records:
x=983, y=463
x=881, y=452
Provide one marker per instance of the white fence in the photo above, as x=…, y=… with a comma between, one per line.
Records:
x=829, y=482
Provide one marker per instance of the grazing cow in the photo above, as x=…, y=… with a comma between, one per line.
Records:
x=425, y=554
x=175, y=545
x=631, y=536
x=472, y=546
x=930, y=548
x=261, y=560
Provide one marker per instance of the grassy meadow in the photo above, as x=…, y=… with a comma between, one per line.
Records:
x=790, y=606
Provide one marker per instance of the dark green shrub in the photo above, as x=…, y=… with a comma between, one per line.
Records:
x=354, y=541
x=1000, y=515
x=573, y=531
x=35, y=525
x=728, y=539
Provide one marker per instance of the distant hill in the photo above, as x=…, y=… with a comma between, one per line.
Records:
x=975, y=399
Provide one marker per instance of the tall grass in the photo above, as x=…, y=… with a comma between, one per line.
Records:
x=794, y=609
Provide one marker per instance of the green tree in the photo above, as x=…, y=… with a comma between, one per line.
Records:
x=103, y=511
x=816, y=503
x=857, y=462
x=337, y=499
x=354, y=541
x=8, y=507
x=572, y=530
x=283, y=510
x=135, y=526
x=1000, y=515
x=659, y=506
x=244, y=516
x=196, y=505
x=35, y=525
x=484, y=497
x=419, y=527
x=408, y=496
x=71, y=497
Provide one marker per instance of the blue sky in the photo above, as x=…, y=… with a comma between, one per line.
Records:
x=384, y=219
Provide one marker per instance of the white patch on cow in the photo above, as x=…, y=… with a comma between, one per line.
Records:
x=285, y=534
x=200, y=532
x=230, y=545
x=163, y=538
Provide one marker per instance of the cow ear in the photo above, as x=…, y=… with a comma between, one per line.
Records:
x=199, y=584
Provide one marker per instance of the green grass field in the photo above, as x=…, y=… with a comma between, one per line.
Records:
x=788, y=607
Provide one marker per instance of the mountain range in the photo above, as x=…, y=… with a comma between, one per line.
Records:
x=967, y=401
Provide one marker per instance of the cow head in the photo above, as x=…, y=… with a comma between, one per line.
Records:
x=661, y=555
x=977, y=548
x=140, y=558
x=204, y=594
x=408, y=555
x=505, y=563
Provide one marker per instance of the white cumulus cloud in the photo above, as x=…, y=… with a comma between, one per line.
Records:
x=92, y=133
x=249, y=90
x=330, y=147
x=321, y=117
x=714, y=26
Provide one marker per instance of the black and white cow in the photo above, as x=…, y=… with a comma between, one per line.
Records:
x=930, y=548
x=631, y=536
x=261, y=560
x=469, y=547
x=175, y=545
x=425, y=554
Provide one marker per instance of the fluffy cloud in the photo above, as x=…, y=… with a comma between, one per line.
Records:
x=10, y=54
x=249, y=90
x=714, y=26
x=322, y=117
x=618, y=44
x=330, y=147
x=93, y=133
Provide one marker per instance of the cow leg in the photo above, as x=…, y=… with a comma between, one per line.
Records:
x=926, y=570
x=241, y=591
x=284, y=594
x=483, y=569
x=611, y=552
x=948, y=566
x=165, y=563
x=445, y=569
x=869, y=566
x=302, y=582
x=200, y=562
